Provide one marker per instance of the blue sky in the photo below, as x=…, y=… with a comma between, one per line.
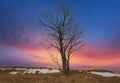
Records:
x=99, y=19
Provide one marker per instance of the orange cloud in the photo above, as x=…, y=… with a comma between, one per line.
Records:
x=99, y=56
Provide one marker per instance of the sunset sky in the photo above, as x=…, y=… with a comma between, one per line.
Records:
x=21, y=36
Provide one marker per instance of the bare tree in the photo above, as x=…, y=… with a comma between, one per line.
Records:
x=64, y=33
x=55, y=59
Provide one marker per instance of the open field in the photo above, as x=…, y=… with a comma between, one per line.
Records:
x=73, y=77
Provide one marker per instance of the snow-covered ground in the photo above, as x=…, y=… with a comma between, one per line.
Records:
x=106, y=74
x=32, y=71
x=44, y=71
x=21, y=69
x=14, y=72
x=2, y=69
x=41, y=71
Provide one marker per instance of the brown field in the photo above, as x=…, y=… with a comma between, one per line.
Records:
x=73, y=77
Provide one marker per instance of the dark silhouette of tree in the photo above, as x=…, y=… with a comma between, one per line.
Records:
x=64, y=33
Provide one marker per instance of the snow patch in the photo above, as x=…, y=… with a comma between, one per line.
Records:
x=43, y=71
x=13, y=72
x=54, y=71
x=2, y=69
x=33, y=71
x=21, y=69
x=106, y=74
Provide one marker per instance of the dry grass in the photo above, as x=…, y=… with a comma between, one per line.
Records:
x=73, y=77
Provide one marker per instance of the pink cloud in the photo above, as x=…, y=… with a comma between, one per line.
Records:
x=99, y=55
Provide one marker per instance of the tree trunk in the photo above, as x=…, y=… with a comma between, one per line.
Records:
x=67, y=64
x=68, y=68
x=64, y=65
